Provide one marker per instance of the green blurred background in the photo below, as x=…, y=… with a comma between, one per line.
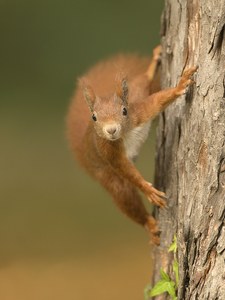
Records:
x=60, y=235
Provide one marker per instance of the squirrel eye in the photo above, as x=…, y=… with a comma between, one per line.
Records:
x=124, y=111
x=94, y=117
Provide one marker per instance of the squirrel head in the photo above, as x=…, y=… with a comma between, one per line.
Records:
x=110, y=115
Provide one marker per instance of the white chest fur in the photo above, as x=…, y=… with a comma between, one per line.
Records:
x=135, y=139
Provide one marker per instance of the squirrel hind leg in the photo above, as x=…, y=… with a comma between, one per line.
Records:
x=129, y=201
x=125, y=196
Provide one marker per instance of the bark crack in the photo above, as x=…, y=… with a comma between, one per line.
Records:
x=214, y=242
x=199, y=276
x=186, y=279
x=224, y=86
x=218, y=37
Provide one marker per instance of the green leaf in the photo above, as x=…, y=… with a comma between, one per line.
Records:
x=163, y=286
x=173, y=246
x=164, y=275
x=176, y=271
x=147, y=290
x=171, y=289
x=166, y=284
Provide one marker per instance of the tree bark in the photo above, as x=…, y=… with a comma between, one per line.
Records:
x=190, y=163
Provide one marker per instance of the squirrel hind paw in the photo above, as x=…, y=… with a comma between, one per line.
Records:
x=152, y=227
x=155, y=240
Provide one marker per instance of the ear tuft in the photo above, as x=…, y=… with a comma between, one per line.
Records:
x=122, y=87
x=88, y=92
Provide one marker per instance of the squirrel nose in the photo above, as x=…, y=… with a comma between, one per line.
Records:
x=111, y=129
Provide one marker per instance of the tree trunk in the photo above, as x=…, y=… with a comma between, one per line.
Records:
x=190, y=163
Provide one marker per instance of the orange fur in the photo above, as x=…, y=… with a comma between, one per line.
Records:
x=121, y=106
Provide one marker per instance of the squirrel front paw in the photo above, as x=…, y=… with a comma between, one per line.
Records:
x=157, y=53
x=154, y=196
x=186, y=80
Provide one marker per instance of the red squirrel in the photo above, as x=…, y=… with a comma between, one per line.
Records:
x=109, y=120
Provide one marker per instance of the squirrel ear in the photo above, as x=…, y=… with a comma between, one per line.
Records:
x=88, y=93
x=122, y=87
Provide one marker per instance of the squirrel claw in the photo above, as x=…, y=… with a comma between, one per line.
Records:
x=157, y=197
x=155, y=240
x=153, y=229
x=186, y=80
x=157, y=52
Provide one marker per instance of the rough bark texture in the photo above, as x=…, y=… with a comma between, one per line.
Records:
x=190, y=163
